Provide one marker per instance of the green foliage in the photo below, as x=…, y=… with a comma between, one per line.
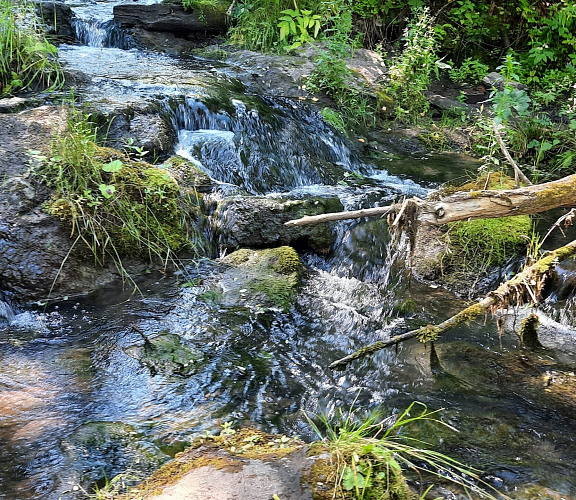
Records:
x=332, y=76
x=369, y=455
x=115, y=206
x=334, y=118
x=27, y=60
x=272, y=25
x=471, y=71
x=204, y=7
x=410, y=73
x=295, y=25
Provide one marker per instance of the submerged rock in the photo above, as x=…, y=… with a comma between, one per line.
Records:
x=166, y=354
x=257, y=221
x=98, y=451
x=261, y=278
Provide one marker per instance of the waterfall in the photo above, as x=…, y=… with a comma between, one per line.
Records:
x=6, y=312
x=101, y=33
x=262, y=147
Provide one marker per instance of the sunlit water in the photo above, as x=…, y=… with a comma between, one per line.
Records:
x=65, y=370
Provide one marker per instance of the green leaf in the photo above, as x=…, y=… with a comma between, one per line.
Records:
x=107, y=190
x=348, y=482
x=113, y=167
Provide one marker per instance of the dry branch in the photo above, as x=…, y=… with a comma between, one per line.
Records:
x=484, y=204
x=527, y=284
x=517, y=172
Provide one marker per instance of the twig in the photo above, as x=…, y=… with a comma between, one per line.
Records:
x=517, y=172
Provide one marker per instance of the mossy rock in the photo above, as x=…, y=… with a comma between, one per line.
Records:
x=464, y=254
x=265, y=279
x=167, y=354
x=189, y=175
x=145, y=214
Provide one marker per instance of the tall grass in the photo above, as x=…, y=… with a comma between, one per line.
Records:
x=369, y=455
x=27, y=59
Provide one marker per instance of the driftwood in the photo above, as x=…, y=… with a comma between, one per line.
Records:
x=525, y=286
x=484, y=204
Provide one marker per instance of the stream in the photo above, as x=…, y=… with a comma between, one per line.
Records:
x=75, y=408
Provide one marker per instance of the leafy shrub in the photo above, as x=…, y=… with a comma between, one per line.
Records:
x=26, y=58
x=295, y=25
x=471, y=71
x=261, y=24
x=410, y=73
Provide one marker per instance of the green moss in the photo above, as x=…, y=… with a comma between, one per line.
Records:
x=491, y=241
x=528, y=332
x=475, y=246
x=269, y=277
x=188, y=174
x=117, y=206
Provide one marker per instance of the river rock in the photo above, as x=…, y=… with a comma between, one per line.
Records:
x=166, y=353
x=258, y=221
x=96, y=451
x=57, y=17
x=171, y=18
x=33, y=244
x=139, y=130
x=189, y=176
x=245, y=465
x=498, y=81
x=15, y=104
x=260, y=279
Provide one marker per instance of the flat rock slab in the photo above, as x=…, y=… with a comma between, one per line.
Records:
x=235, y=478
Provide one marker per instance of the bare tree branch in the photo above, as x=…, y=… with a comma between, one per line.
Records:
x=525, y=285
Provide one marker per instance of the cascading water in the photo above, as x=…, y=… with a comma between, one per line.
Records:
x=97, y=33
x=6, y=312
x=75, y=405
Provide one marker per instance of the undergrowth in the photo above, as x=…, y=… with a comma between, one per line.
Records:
x=27, y=59
x=369, y=456
x=116, y=206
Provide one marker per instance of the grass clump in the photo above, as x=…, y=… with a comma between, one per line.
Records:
x=116, y=206
x=27, y=60
x=368, y=457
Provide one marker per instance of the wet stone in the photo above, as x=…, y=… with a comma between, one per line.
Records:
x=166, y=354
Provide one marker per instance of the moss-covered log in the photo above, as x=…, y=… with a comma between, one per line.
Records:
x=482, y=204
x=523, y=287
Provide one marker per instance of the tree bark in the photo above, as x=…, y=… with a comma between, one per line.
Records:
x=483, y=204
x=526, y=285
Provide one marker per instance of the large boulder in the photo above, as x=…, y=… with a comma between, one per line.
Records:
x=57, y=17
x=171, y=18
x=34, y=245
x=258, y=222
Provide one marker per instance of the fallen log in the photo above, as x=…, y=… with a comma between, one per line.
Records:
x=483, y=204
x=523, y=287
